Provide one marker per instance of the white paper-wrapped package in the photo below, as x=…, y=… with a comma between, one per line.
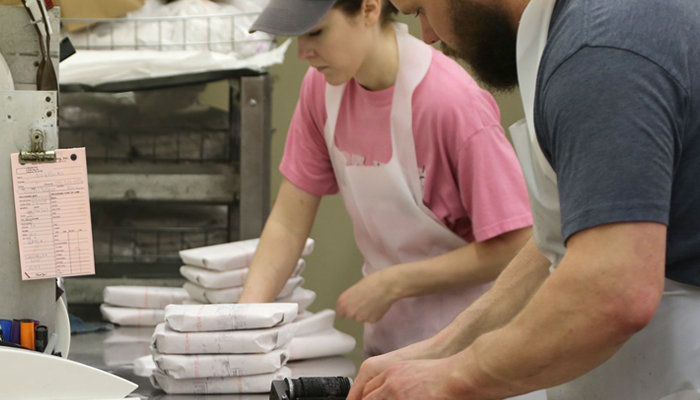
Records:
x=124, y=344
x=145, y=366
x=144, y=296
x=301, y=296
x=129, y=334
x=124, y=353
x=132, y=316
x=326, y=366
x=322, y=344
x=212, y=279
x=314, y=323
x=219, y=365
x=228, y=256
x=228, y=317
x=231, y=295
x=233, y=385
x=193, y=302
x=247, y=341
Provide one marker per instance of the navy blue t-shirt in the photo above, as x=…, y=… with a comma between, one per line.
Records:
x=617, y=115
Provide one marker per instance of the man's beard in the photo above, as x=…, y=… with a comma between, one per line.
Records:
x=486, y=40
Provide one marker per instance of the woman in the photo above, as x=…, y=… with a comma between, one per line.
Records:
x=415, y=147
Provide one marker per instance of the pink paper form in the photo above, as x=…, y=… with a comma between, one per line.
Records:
x=52, y=205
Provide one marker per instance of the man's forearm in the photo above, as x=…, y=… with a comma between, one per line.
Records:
x=511, y=292
x=582, y=314
x=471, y=265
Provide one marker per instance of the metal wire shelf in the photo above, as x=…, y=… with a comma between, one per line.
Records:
x=129, y=245
x=151, y=145
x=160, y=36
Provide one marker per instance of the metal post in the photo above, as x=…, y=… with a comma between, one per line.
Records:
x=255, y=139
x=22, y=111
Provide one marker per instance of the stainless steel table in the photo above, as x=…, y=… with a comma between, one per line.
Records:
x=115, y=352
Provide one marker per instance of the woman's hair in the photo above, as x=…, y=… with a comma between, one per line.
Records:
x=353, y=7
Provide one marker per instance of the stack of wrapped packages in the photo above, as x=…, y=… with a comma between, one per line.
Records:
x=139, y=305
x=211, y=345
x=242, y=348
x=216, y=274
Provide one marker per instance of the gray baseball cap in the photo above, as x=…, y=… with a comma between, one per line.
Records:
x=291, y=17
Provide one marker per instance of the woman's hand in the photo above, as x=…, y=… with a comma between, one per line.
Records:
x=369, y=299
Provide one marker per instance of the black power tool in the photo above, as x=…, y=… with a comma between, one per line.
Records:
x=322, y=388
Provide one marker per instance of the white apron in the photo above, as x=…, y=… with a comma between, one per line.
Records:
x=391, y=224
x=662, y=362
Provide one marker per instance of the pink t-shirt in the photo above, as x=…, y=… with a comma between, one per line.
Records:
x=471, y=177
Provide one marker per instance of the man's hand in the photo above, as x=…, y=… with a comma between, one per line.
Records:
x=419, y=380
x=369, y=299
x=375, y=366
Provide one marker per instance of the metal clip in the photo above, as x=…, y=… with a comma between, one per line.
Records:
x=38, y=21
x=37, y=155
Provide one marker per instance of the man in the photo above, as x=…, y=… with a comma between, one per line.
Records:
x=610, y=149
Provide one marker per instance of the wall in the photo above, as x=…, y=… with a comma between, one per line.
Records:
x=335, y=264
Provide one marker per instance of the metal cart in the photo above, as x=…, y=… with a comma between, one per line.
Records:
x=166, y=172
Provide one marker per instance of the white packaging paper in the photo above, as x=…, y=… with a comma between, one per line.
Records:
x=301, y=296
x=327, y=366
x=231, y=295
x=193, y=302
x=212, y=279
x=144, y=296
x=118, y=354
x=129, y=334
x=248, y=341
x=228, y=256
x=227, y=317
x=314, y=323
x=225, y=30
x=124, y=344
x=234, y=385
x=161, y=395
x=132, y=316
x=219, y=365
x=145, y=366
x=302, y=315
x=323, y=344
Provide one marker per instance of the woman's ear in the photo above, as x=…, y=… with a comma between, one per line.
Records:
x=372, y=11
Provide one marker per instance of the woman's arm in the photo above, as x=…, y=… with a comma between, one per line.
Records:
x=471, y=265
x=281, y=243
